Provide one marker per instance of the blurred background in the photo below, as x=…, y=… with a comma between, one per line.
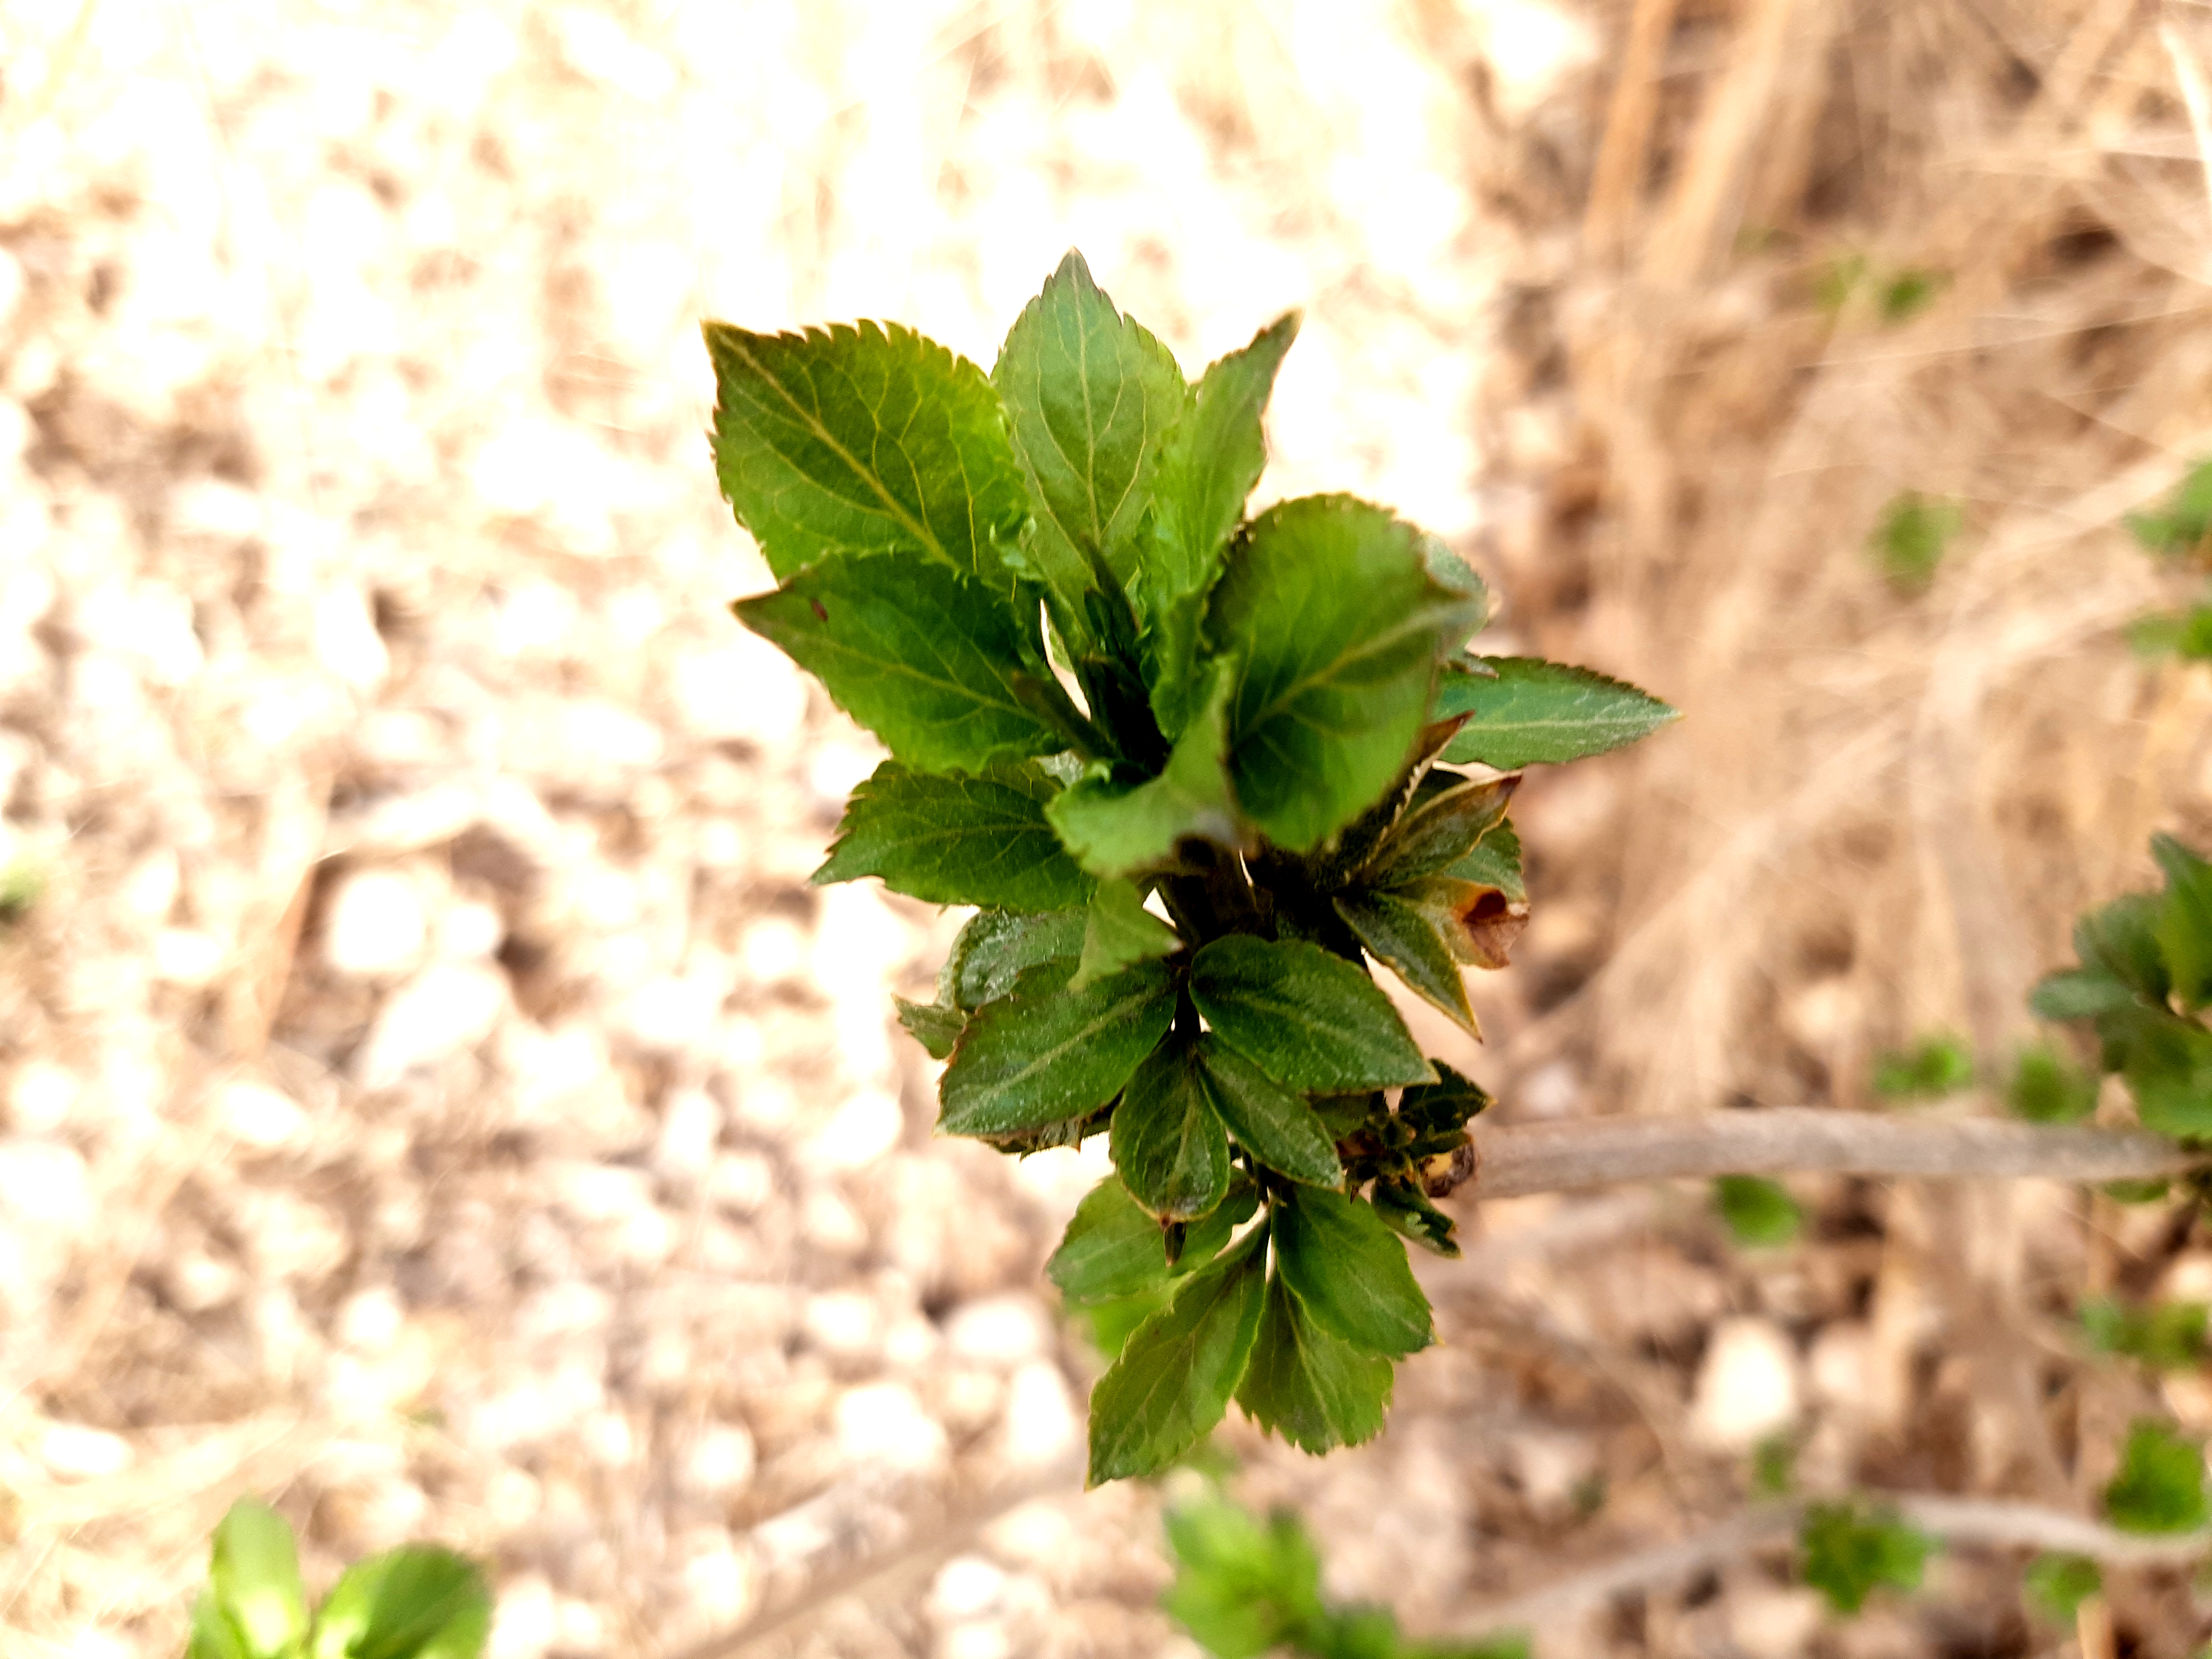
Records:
x=431, y=1094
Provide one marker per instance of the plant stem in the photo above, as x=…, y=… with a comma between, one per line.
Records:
x=1542, y=1158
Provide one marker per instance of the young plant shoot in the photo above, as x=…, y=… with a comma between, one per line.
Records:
x=1195, y=770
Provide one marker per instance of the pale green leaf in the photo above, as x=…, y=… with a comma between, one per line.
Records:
x=1120, y=828
x=1112, y=1248
x=1495, y=861
x=1349, y=1271
x=1309, y=1019
x=253, y=1575
x=2185, y=920
x=1120, y=932
x=1525, y=711
x=1028, y=1061
x=952, y=838
x=934, y=1025
x=995, y=949
x=416, y=1602
x=2159, y=1487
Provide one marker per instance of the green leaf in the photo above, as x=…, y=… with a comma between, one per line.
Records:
x=1121, y=934
x=1089, y=395
x=1349, y=1271
x=1758, y=1212
x=2169, y=1335
x=1110, y=1323
x=1405, y=937
x=1031, y=1060
x=1495, y=861
x=1527, y=712
x=1910, y=540
x=1774, y=1465
x=1440, y=828
x=1117, y=828
x=996, y=949
x=2058, y=1585
x=416, y=1602
x=2167, y=1063
x=2121, y=939
x=1453, y=575
x=1435, y=1113
x=1274, y=1125
x=2047, y=1087
x=1168, y=1142
x=2184, y=522
x=1113, y=1248
x=1335, y=624
x=2185, y=920
x=864, y=439
x=1173, y=1380
x=953, y=839
x=212, y=1635
x=1304, y=1017
x=1938, y=1064
x=1243, y=1586
x=2079, y=994
x=1848, y=1553
x=1908, y=292
x=920, y=656
x=1405, y=1211
x=933, y=1025
x=2160, y=1484
x=253, y=1580
x=1315, y=1389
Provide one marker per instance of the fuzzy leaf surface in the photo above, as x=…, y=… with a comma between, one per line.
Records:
x=1406, y=938
x=1315, y=1389
x=1349, y=1272
x=1308, y=1019
x=920, y=656
x=1330, y=613
x=997, y=948
x=1089, y=395
x=1270, y=1122
x=1495, y=861
x=953, y=838
x=1168, y=1142
x=936, y=1027
x=1440, y=828
x=1529, y=712
x=1120, y=932
x=859, y=439
x=1118, y=829
x=1028, y=1060
x=1178, y=1369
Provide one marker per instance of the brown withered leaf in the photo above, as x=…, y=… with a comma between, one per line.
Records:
x=1480, y=923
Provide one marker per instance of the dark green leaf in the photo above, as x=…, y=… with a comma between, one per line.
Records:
x=2182, y=524
x=2160, y=1484
x=996, y=949
x=2168, y=1334
x=1405, y=1211
x=1173, y=1380
x=920, y=656
x=2058, y=1585
x=1027, y=1061
x=2122, y=938
x=1167, y=1140
x=2167, y=1063
x=1316, y=1390
x=2079, y=994
x=1912, y=538
x=1528, y=712
x=1332, y=618
x=1310, y=1019
x=953, y=839
x=1441, y=1109
x=416, y=1602
x=1349, y=1271
x=932, y=1024
x=1243, y=1586
x=1121, y=934
x=1405, y=938
x=1439, y=828
x=1453, y=573
x=253, y=1579
x=1089, y=395
x=1274, y=1125
x=1122, y=828
x=2185, y=920
x=1495, y=861
x=1936, y=1065
x=2049, y=1088
x=1112, y=1248
x=1758, y=1212
x=864, y=439
x=1847, y=1553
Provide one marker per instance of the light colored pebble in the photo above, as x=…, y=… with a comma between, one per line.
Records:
x=259, y=1116
x=843, y=1323
x=721, y=1461
x=1773, y=1621
x=883, y=1425
x=45, y=1186
x=864, y=1128
x=377, y=925
x=469, y=931
x=369, y=1320
x=187, y=957
x=74, y=1451
x=983, y=1638
x=719, y=1580
x=1838, y=1366
x=964, y=1587
x=1041, y=1418
x=525, y=1625
x=41, y=1095
x=346, y=639
x=1746, y=1387
x=447, y=1009
x=1000, y=1330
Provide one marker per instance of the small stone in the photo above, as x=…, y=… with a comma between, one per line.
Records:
x=1773, y=1621
x=721, y=1462
x=470, y=931
x=965, y=1586
x=1041, y=1420
x=985, y=1638
x=187, y=957
x=261, y=1117
x=1000, y=1330
x=346, y=639
x=1837, y=1366
x=40, y=1097
x=718, y=1582
x=744, y=689
x=1746, y=1388
x=376, y=926
x=741, y=1182
x=691, y=1124
x=369, y=1321
x=524, y=1624
x=843, y=1323
x=74, y=1452
x=447, y=1009
x=45, y=1188
x=860, y=1131
x=608, y=1440
x=150, y=890
x=883, y=1425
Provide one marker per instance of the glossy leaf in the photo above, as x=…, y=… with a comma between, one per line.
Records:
x=1527, y=712
x=416, y=1602
x=951, y=838
x=864, y=439
x=1169, y=1144
x=2159, y=1487
x=1309, y=1019
x=1349, y=1272
x=1119, y=933
x=1089, y=395
x=1270, y=1122
x=1334, y=621
x=1178, y=1371
x=996, y=949
x=921, y=657
x=1437, y=1112
x=1028, y=1061
x=1406, y=939
x=253, y=1582
x=1122, y=828
x=1315, y=1389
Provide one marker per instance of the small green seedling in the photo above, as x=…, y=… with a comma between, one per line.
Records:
x=2057, y=1585
x=2048, y=1087
x=1934, y=1067
x=1194, y=769
x=1245, y=1587
x=1774, y=1465
x=2180, y=525
x=1758, y=1212
x=1906, y=293
x=1915, y=532
x=1847, y=1551
x=2144, y=979
x=2159, y=1487
x=2165, y=1335
x=416, y=1602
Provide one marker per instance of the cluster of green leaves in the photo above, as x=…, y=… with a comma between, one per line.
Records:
x=2165, y=1335
x=1244, y=1586
x=2049, y=1087
x=416, y=1602
x=2180, y=529
x=2144, y=978
x=1939, y=1064
x=2058, y=1584
x=2159, y=1485
x=1760, y=1213
x=1914, y=533
x=1847, y=1551
x=1192, y=769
